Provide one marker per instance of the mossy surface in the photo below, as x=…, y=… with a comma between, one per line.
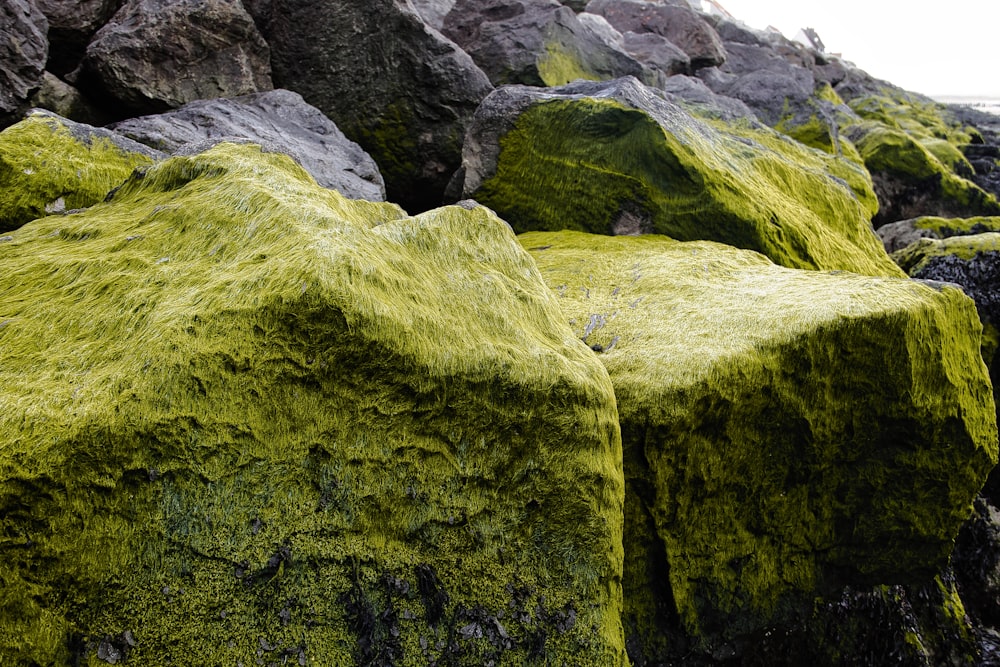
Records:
x=946, y=227
x=560, y=64
x=785, y=433
x=45, y=168
x=243, y=417
x=624, y=161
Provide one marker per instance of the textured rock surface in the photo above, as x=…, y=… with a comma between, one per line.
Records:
x=23, y=50
x=62, y=99
x=51, y=165
x=72, y=24
x=786, y=433
x=897, y=235
x=626, y=161
x=280, y=121
x=406, y=99
x=155, y=55
x=245, y=417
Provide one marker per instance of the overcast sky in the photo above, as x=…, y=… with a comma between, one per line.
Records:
x=949, y=48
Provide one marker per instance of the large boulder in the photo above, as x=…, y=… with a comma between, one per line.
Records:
x=787, y=435
x=537, y=43
x=23, y=51
x=280, y=121
x=72, y=24
x=155, y=55
x=52, y=165
x=246, y=419
x=396, y=86
x=624, y=160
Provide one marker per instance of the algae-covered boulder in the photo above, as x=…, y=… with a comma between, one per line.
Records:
x=786, y=433
x=618, y=158
x=49, y=165
x=897, y=235
x=246, y=419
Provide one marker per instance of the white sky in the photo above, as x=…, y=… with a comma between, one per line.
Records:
x=950, y=48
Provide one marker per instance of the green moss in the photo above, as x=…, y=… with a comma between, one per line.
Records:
x=559, y=65
x=618, y=170
x=242, y=416
x=45, y=169
x=945, y=227
x=916, y=256
x=948, y=155
x=920, y=118
x=783, y=430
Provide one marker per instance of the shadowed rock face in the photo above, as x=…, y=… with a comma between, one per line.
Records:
x=72, y=24
x=23, y=50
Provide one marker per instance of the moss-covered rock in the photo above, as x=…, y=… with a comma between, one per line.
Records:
x=49, y=165
x=897, y=235
x=617, y=158
x=786, y=433
x=244, y=417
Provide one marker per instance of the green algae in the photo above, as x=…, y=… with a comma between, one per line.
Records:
x=917, y=255
x=244, y=417
x=945, y=227
x=784, y=432
x=618, y=170
x=45, y=169
x=559, y=65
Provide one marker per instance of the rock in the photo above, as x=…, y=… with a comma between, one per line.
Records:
x=897, y=235
x=692, y=92
x=64, y=100
x=52, y=165
x=23, y=50
x=433, y=11
x=72, y=24
x=536, y=43
x=156, y=55
x=626, y=161
x=250, y=418
x=657, y=51
x=279, y=120
x=683, y=26
x=786, y=434
x=397, y=87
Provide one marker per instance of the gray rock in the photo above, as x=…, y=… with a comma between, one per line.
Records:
x=72, y=24
x=692, y=91
x=897, y=235
x=657, y=51
x=281, y=122
x=63, y=99
x=156, y=55
x=678, y=23
x=23, y=51
x=393, y=84
x=433, y=11
x=599, y=25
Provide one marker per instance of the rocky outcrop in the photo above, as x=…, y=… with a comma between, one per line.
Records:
x=626, y=161
x=251, y=419
x=72, y=24
x=51, y=165
x=278, y=120
x=23, y=51
x=786, y=434
x=397, y=87
x=155, y=55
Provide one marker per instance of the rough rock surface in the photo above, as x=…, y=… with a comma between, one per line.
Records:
x=72, y=24
x=62, y=99
x=397, y=87
x=155, y=55
x=23, y=50
x=278, y=120
x=897, y=235
x=433, y=11
x=626, y=161
x=536, y=43
x=245, y=417
x=786, y=433
x=656, y=51
x=52, y=165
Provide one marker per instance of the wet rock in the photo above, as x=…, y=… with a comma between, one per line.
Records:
x=278, y=120
x=23, y=51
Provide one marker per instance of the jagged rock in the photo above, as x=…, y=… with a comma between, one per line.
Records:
x=657, y=51
x=397, y=87
x=692, y=92
x=62, y=99
x=786, y=434
x=434, y=11
x=537, y=43
x=23, y=50
x=246, y=418
x=680, y=24
x=626, y=161
x=52, y=165
x=280, y=121
x=155, y=55
x=72, y=24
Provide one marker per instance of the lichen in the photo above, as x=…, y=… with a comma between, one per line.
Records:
x=243, y=417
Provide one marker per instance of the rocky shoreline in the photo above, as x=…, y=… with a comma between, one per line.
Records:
x=482, y=332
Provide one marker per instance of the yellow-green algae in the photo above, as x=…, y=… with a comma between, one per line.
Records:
x=244, y=417
x=945, y=227
x=44, y=168
x=785, y=433
x=598, y=165
x=917, y=255
x=559, y=64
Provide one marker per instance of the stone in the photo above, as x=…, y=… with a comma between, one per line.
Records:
x=51, y=165
x=897, y=235
x=23, y=51
x=786, y=434
x=657, y=51
x=680, y=24
x=433, y=11
x=72, y=24
x=278, y=120
x=247, y=418
x=391, y=83
x=536, y=43
x=155, y=55
x=624, y=160
x=691, y=92
x=62, y=99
